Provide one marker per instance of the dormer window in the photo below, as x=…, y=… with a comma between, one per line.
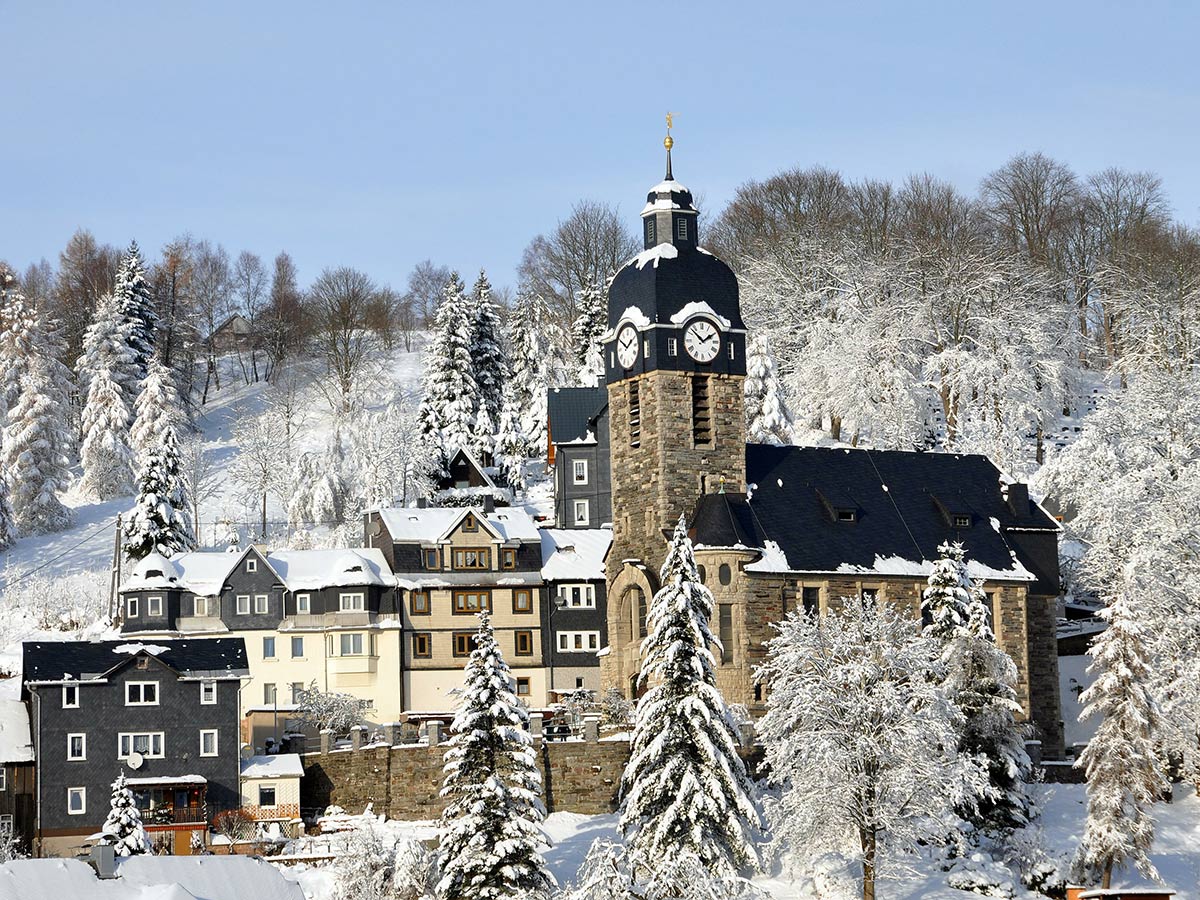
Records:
x=962, y=521
x=847, y=515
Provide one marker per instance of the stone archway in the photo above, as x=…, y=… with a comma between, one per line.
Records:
x=632, y=586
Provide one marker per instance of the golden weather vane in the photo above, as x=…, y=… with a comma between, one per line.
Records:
x=668, y=141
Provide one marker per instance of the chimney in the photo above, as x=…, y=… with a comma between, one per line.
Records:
x=1018, y=499
x=420, y=503
x=103, y=860
x=489, y=503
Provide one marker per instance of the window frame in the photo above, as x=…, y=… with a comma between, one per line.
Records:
x=269, y=641
x=306, y=601
x=242, y=609
x=208, y=688
x=251, y=565
x=150, y=604
x=3, y=779
x=523, y=682
x=576, y=466
x=80, y=792
x=681, y=228
x=567, y=638
x=143, y=701
x=962, y=521
x=672, y=346
x=460, y=640
x=131, y=607
x=463, y=609
x=351, y=595
x=420, y=638
x=576, y=506
x=82, y=757
x=199, y=602
x=262, y=604
x=274, y=796
x=295, y=638
x=149, y=752
x=70, y=687
x=508, y=558
x=483, y=556
x=274, y=693
x=432, y=555
x=416, y=610
x=588, y=594
x=525, y=635
x=6, y=824
x=517, y=608
x=216, y=738
x=350, y=635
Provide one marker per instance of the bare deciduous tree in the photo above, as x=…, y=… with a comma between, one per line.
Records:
x=211, y=292
x=341, y=303
x=249, y=282
x=1030, y=201
x=425, y=283
x=201, y=478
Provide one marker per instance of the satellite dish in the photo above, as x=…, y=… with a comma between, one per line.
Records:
x=376, y=528
x=135, y=760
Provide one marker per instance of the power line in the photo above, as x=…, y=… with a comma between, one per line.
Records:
x=10, y=582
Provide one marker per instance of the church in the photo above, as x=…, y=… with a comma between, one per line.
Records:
x=778, y=528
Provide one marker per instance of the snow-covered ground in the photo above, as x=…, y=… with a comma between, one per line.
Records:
x=1175, y=853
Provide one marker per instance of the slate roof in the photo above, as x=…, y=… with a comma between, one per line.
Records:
x=56, y=660
x=660, y=285
x=573, y=412
x=903, y=504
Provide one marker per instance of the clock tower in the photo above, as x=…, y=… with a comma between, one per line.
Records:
x=675, y=363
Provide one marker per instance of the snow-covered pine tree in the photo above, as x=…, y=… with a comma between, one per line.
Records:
x=450, y=394
x=487, y=351
x=510, y=444
x=18, y=336
x=8, y=528
x=1124, y=771
x=108, y=346
x=587, y=328
x=530, y=368
x=944, y=603
x=105, y=455
x=157, y=405
x=490, y=832
x=301, y=496
x=123, y=826
x=483, y=437
x=330, y=489
x=32, y=456
x=767, y=418
x=161, y=520
x=52, y=347
x=685, y=791
x=137, y=308
x=983, y=682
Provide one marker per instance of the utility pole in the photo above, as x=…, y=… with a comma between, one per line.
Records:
x=115, y=576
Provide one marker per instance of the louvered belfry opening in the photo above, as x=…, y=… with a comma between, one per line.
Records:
x=635, y=416
x=702, y=430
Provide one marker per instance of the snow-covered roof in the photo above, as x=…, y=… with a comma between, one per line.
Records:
x=201, y=572
x=15, y=745
x=154, y=572
x=310, y=570
x=574, y=554
x=699, y=308
x=653, y=255
x=282, y=765
x=166, y=779
x=411, y=524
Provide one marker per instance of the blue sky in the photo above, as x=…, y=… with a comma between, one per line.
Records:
x=378, y=134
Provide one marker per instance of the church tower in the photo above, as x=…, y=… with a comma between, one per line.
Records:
x=675, y=363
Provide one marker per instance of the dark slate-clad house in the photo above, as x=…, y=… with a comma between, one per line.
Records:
x=575, y=618
x=16, y=773
x=164, y=713
x=577, y=434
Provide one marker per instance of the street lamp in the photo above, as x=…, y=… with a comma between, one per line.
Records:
x=557, y=602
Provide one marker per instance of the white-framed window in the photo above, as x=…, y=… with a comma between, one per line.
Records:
x=732, y=352
x=208, y=693
x=268, y=648
x=260, y=604
x=141, y=693
x=270, y=695
x=76, y=746
x=672, y=346
x=646, y=348
x=6, y=825
x=352, y=602
x=3, y=779
x=266, y=795
x=131, y=608
x=70, y=696
x=578, y=596
x=579, y=471
x=154, y=606
x=251, y=564
x=200, y=606
x=208, y=742
x=76, y=801
x=578, y=641
x=243, y=604
x=351, y=645
x=297, y=688
x=582, y=513
x=297, y=648
x=303, y=604
x=148, y=743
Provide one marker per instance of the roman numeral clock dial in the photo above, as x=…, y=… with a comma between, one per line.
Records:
x=627, y=346
x=702, y=341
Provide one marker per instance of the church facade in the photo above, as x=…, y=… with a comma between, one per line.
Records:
x=776, y=528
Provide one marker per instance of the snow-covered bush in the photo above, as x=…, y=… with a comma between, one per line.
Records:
x=328, y=710
x=616, y=710
x=75, y=602
x=608, y=873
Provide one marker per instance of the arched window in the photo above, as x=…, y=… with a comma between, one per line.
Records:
x=723, y=574
x=638, y=601
x=703, y=575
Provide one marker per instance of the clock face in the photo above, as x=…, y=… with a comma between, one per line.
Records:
x=627, y=346
x=702, y=341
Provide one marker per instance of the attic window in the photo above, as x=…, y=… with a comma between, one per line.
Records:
x=143, y=663
x=252, y=565
x=962, y=521
x=847, y=515
x=469, y=523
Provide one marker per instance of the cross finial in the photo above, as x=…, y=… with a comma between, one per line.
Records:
x=669, y=142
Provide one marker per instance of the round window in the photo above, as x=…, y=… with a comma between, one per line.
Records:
x=723, y=573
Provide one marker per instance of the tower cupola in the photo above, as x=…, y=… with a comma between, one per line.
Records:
x=669, y=216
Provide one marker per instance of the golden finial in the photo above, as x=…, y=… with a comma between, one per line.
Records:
x=668, y=141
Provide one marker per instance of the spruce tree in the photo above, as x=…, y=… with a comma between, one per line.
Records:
x=767, y=418
x=105, y=455
x=587, y=329
x=32, y=456
x=510, y=445
x=490, y=363
x=123, y=827
x=18, y=330
x=1124, y=772
x=944, y=603
x=685, y=792
x=8, y=528
x=301, y=497
x=490, y=832
x=108, y=346
x=136, y=302
x=530, y=366
x=157, y=406
x=450, y=398
x=161, y=521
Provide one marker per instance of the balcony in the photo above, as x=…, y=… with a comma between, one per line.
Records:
x=354, y=665
x=175, y=815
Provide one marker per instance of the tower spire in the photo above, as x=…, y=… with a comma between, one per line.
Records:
x=669, y=142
